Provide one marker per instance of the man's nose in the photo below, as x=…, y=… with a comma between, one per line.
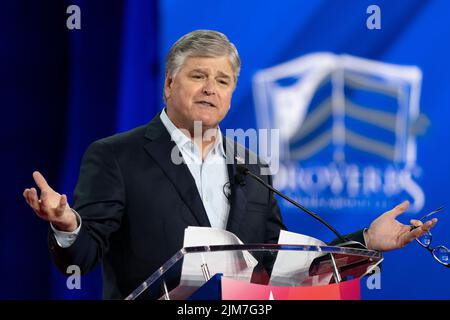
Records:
x=209, y=88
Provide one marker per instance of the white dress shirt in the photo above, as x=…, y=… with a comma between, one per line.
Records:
x=210, y=176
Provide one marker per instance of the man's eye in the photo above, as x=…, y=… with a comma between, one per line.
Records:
x=197, y=76
x=224, y=82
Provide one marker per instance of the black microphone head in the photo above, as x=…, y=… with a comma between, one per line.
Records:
x=242, y=169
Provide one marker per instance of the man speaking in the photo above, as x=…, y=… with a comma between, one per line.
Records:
x=133, y=201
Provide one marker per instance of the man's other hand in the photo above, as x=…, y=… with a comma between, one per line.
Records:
x=52, y=206
x=386, y=233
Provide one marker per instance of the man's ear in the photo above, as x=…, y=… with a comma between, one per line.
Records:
x=168, y=81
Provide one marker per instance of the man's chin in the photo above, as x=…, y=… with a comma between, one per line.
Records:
x=205, y=124
x=207, y=121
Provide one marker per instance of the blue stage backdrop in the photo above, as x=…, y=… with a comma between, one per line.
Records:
x=361, y=113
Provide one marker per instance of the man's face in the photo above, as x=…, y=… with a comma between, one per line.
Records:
x=200, y=91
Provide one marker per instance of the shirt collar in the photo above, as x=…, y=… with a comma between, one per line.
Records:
x=181, y=140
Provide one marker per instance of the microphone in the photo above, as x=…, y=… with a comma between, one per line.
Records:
x=243, y=170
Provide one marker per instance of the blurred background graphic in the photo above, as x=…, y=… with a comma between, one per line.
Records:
x=62, y=89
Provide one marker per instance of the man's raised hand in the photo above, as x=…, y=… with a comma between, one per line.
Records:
x=52, y=206
x=386, y=233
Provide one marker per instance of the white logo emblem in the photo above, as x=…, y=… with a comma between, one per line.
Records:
x=348, y=129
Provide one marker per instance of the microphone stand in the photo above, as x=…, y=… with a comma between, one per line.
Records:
x=242, y=169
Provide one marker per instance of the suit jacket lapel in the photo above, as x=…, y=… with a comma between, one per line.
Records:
x=238, y=197
x=160, y=147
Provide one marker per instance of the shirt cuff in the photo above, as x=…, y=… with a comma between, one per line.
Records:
x=66, y=239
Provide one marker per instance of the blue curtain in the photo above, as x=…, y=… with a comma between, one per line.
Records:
x=61, y=90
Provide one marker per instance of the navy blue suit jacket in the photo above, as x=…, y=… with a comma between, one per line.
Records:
x=135, y=205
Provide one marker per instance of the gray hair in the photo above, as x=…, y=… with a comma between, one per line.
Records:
x=202, y=43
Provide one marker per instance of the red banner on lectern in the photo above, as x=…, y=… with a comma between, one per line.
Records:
x=238, y=290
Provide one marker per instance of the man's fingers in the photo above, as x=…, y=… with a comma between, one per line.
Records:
x=416, y=223
x=399, y=209
x=26, y=195
x=421, y=230
x=45, y=205
x=40, y=181
x=414, y=234
x=62, y=205
x=33, y=199
x=429, y=224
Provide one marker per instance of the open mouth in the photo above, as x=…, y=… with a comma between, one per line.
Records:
x=206, y=103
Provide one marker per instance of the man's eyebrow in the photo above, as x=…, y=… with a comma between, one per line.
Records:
x=198, y=70
x=224, y=75
x=220, y=73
